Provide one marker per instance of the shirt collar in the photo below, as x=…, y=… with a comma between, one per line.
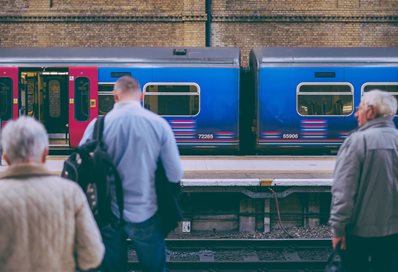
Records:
x=24, y=170
x=133, y=103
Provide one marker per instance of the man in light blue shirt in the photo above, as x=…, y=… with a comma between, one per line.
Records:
x=136, y=138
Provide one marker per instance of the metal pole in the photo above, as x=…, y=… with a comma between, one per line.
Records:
x=208, y=22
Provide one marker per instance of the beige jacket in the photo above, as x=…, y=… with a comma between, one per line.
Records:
x=45, y=223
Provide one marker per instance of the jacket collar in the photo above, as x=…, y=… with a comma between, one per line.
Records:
x=377, y=123
x=24, y=170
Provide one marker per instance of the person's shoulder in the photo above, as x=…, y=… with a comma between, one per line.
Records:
x=62, y=182
x=153, y=117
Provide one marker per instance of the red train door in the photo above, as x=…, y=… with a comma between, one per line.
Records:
x=83, y=97
x=8, y=94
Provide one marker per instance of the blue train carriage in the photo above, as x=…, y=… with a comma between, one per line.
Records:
x=306, y=97
x=195, y=89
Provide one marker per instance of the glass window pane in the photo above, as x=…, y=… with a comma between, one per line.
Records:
x=172, y=104
x=325, y=88
x=325, y=104
x=325, y=100
x=31, y=85
x=82, y=98
x=105, y=103
x=54, y=92
x=105, y=98
x=386, y=88
x=169, y=99
x=106, y=88
x=172, y=88
x=5, y=98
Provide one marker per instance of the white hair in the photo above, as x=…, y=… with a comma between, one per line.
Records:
x=384, y=103
x=24, y=140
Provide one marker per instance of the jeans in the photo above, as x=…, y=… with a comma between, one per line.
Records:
x=115, y=259
x=371, y=254
x=148, y=241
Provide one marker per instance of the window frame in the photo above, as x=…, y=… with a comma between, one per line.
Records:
x=104, y=93
x=59, y=108
x=10, y=100
x=198, y=92
x=325, y=93
x=75, y=104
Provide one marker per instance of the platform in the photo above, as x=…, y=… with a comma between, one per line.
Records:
x=245, y=170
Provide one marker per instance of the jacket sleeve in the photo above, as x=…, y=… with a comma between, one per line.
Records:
x=346, y=178
x=170, y=156
x=89, y=249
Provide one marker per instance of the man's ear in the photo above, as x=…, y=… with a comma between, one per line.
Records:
x=44, y=155
x=115, y=98
x=371, y=113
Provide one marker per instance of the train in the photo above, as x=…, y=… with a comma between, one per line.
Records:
x=287, y=100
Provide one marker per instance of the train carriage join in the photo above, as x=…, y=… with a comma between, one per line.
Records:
x=287, y=100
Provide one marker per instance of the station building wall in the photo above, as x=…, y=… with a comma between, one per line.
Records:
x=238, y=23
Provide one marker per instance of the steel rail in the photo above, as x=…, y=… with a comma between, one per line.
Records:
x=246, y=254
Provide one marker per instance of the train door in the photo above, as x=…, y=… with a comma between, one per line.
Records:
x=44, y=96
x=8, y=94
x=83, y=97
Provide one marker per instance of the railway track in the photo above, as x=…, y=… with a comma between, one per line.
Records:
x=244, y=255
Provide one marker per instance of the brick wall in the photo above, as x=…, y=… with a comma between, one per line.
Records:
x=239, y=23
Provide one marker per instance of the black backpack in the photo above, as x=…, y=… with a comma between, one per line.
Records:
x=92, y=168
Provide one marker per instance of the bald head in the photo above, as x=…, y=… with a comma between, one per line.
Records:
x=127, y=88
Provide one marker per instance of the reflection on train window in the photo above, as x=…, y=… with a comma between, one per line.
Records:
x=325, y=99
x=105, y=98
x=54, y=93
x=31, y=87
x=82, y=101
x=392, y=88
x=172, y=98
x=105, y=103
x=5, y=98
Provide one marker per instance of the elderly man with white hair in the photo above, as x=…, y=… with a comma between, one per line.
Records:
x=45, y=221
x=364, y=213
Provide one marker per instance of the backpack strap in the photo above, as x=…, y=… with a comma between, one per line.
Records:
x=99, y=128
x=97, y=135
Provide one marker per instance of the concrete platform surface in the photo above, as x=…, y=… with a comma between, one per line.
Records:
x=245, y=170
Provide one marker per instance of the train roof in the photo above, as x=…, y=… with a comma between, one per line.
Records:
x=122, y=55
x=328, y=55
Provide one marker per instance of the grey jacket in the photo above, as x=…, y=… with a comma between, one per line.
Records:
x=365, y=187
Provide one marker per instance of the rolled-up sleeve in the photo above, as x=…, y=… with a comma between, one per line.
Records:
x=89, y=249
x=345, y=184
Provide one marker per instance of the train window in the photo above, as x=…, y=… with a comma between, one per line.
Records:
x=105, y=98
x=31, y=96
x=54, y=93
x=5, y=98
x=325, y=99
x=82, y=98
x=392, y=88
x=172, y=98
